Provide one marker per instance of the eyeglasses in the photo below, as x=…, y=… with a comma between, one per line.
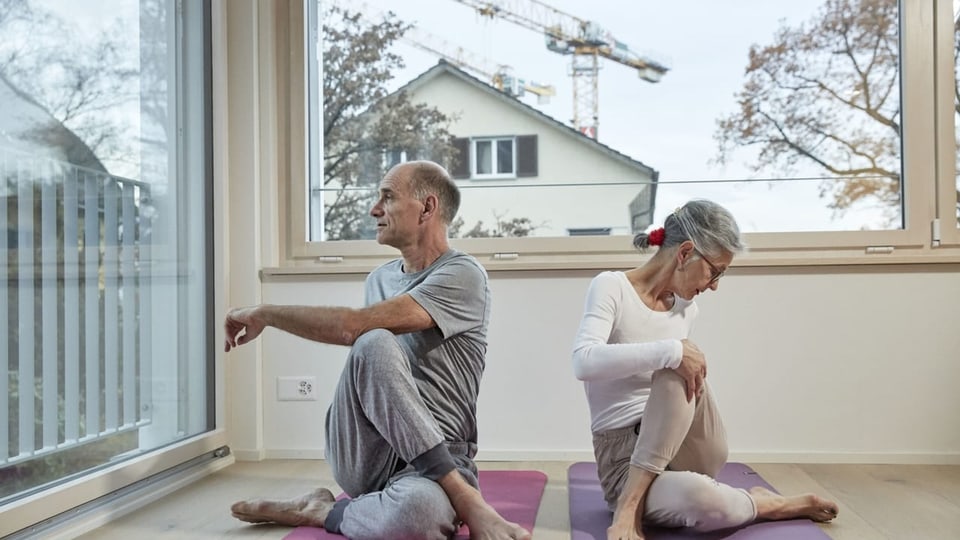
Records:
x=715, y=273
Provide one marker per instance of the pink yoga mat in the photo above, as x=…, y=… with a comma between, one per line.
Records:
x=515, y=495
x=589, y=516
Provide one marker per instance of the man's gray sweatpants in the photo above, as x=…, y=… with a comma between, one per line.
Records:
x=385, y=448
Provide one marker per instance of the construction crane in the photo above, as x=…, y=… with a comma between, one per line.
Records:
x=500, y=75
x=585, y=40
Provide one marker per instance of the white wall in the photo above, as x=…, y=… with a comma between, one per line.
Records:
x=842, y=364
x=855, y=364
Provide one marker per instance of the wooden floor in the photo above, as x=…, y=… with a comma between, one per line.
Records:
x=916, y=502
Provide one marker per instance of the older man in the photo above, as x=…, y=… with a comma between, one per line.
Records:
x=401, y=429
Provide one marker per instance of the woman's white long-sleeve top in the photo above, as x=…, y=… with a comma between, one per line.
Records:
x=620, y=343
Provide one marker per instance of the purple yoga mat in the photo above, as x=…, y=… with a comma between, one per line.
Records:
x=514, y=494
x=589, y=516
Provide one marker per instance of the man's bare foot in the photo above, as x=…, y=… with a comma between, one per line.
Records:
x=310, y=510
x=486, y=524
x=773, y=506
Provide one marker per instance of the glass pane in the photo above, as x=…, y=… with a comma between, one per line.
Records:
x=624, y=208
x=484, y=151
x=505, y=156
x=102, y=261
x=778, y=104
x=590, y=208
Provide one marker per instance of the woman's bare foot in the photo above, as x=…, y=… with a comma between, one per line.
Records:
x=772, y=506
x=310, y=509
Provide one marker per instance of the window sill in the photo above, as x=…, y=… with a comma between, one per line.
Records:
x=485, y=177
x=521, y=261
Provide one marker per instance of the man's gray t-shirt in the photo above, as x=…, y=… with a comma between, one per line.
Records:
x=446, y=361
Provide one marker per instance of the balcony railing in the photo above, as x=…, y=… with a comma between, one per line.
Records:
x=74, y=276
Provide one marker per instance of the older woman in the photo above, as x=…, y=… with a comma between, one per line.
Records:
x=657, y=434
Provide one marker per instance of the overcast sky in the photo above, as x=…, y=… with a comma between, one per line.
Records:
x=669, y=125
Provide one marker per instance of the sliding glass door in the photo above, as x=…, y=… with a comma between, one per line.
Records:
x=105, y=248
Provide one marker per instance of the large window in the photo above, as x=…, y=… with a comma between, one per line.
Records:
x=104, y=253
x=812, y=119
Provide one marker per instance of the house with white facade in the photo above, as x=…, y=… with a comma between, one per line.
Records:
x=517, y=162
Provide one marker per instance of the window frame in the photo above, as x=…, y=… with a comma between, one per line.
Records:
x=947, y=226
x=494, y=161
x=388, y=158
x=928, y=184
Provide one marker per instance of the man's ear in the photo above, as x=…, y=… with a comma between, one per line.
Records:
x=429, y=207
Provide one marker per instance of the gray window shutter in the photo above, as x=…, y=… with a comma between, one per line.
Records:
x=461, y=162
x=526, y=155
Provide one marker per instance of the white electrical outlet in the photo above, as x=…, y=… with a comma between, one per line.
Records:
x=296, y=388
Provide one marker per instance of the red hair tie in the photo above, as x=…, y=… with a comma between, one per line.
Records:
x=655, y=237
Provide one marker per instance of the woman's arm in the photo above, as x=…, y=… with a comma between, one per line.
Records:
x=596, y=359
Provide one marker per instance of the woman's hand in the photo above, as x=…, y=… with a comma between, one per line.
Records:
x=693, y=368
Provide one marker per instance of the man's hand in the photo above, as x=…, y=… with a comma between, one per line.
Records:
x=241, y=320
x=693, y=369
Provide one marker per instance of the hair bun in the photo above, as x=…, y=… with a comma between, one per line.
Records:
x=656, y=236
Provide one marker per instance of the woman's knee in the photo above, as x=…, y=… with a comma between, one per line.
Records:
x=670, y=378
x=695, y=500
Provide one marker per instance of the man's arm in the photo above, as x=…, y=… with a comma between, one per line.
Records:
x=334, y=325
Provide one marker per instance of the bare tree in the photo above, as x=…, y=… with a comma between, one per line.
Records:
x=362, y=121
x=80, y=83
x=826, y=93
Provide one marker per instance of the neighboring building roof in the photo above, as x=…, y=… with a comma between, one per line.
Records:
x=446, y=67
x=27, y=127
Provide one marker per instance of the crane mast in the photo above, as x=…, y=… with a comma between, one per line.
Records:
x=586, y=41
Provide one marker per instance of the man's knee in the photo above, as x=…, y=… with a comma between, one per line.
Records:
x=379, y=346
x=420, y=509
x=434, y=513
x=373, y=341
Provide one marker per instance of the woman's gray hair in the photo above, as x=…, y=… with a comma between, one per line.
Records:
x=710, y=226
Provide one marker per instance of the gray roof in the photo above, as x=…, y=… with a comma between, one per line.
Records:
x=27, y=126
x=446, y=67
